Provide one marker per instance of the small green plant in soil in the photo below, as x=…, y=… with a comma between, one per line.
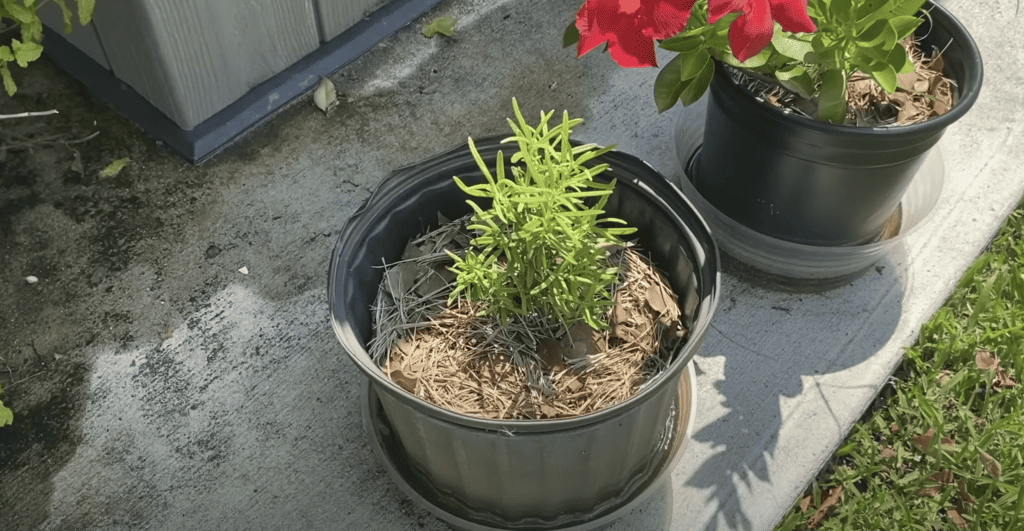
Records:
x=6, y=415
x=21, y=14
x=541, y=246
x=943, y=451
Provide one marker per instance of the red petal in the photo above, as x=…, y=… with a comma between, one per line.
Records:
x=633, y=52
x=792, y=15
x=667, y=18
x=751, y=31
x=720, y=8
x=593, y=20
x=630, y=27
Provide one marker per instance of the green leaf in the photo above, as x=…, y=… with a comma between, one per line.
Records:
x=442, y=25
x=832, y=97
x=841, y=10
x=904, y=26
x=6, y=54
x=24, y=53
x=900, y=61
x=868, y=11
x=9, y=85
x=65, y=14
x=571, y=35
x=693, y=63
x=6, y=415
x=791, y=46
x=907, y=7
x=668, y=85
x=751, y=63
x=114, y=168
x=85, y=11
x=698, y=85
x=880, y=32
x=682, y=43
x=19, y=11
x=797, y=79
x=884, y=75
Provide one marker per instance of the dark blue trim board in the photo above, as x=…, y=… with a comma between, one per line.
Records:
x=252, y=109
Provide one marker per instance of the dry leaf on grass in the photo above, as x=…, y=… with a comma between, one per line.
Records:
x=964, y=495
x=957, y=518
x=924, y=441
x=991, y=465
x=1003, y=380
x=805, y=503
x=942, y=477
x=835, y=495
x=943, y=377
x=887, y=452
x=893, y=427
x=988, y=361
x=985, y=360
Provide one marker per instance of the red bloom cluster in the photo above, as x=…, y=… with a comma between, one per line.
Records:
x=631, y=26
x=752, y=30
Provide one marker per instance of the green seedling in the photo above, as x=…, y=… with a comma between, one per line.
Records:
x=540, y=246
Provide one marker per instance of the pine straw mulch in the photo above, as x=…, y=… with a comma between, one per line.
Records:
x=922, y=94
x=528, y=368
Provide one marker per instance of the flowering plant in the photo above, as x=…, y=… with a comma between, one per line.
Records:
x=810, y=47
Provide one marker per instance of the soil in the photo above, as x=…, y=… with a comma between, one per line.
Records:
x=528, y=368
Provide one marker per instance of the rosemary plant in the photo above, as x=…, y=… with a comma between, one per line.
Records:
x=540, y=246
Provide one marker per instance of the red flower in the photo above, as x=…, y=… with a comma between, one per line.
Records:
x=630, y=27
x=752, y=30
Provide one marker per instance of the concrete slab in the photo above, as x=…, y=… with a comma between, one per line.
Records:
x=156, y=386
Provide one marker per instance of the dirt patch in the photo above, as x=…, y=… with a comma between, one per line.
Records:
x=79, y=235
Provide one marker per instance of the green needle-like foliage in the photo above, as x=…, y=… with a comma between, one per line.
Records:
x=540, y=247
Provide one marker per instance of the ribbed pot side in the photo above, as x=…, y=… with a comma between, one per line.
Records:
x=818, y=183
x=527, y=473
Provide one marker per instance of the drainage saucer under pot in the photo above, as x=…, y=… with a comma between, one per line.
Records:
x=776, y=264
x=461, y=517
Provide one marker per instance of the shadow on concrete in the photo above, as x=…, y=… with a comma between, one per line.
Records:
x=769, y=361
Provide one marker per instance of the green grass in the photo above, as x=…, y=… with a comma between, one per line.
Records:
x=942, y=387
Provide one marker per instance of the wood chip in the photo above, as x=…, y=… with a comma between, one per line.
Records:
x=403, y=380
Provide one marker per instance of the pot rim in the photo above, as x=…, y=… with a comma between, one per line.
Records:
x=664, y=198
x=972, y=81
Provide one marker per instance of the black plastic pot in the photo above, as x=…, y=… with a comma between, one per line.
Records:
x=526, y=474
x=817, y=183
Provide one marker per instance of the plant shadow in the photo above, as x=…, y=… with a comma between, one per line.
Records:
x=783, y=359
